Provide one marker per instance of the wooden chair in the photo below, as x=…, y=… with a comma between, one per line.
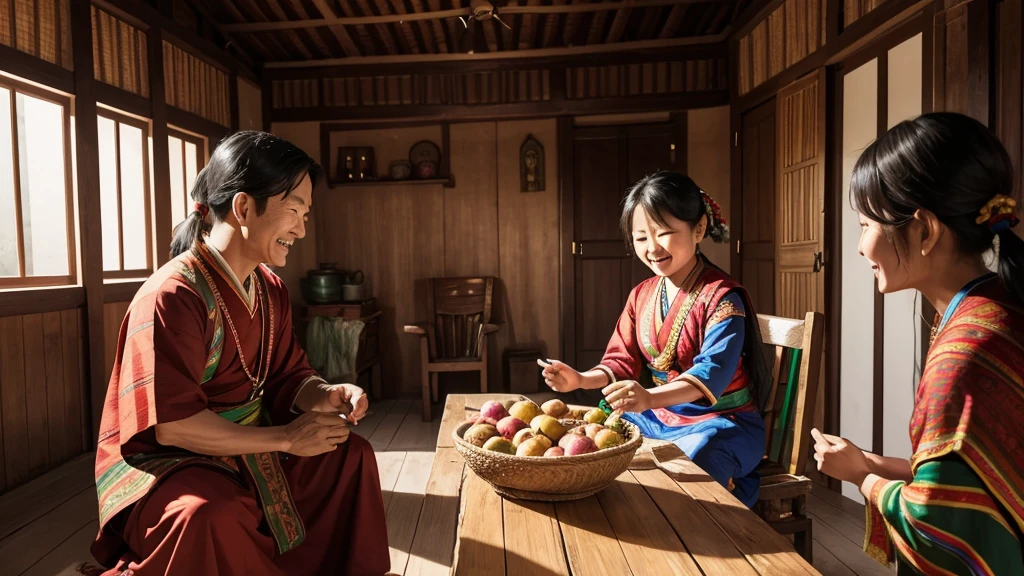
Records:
x=799, y=350
x=454, y=339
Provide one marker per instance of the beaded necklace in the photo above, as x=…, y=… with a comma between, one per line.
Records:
x=266, y=338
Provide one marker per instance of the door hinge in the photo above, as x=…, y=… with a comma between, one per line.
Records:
x=735, y=138
x=577, y=248
x=819, y=262
x=737, y=246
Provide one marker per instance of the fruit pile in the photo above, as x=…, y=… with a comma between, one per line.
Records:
x=526, y=429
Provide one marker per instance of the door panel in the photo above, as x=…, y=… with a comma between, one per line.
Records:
x=757, y=249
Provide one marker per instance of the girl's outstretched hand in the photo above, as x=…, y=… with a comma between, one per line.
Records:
x=559, y=376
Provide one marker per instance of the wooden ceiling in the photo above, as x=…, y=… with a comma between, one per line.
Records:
x=306, y=32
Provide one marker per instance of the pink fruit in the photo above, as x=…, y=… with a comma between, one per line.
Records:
x=575, y=432
x=580, y=445
x=554, y=451
x=593, y=429
x=494, y=410
x=483, y=420
x=509, y=425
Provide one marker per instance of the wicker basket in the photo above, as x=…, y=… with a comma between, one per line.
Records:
x=549, y=479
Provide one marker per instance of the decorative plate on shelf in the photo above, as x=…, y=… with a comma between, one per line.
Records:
x=424, y=151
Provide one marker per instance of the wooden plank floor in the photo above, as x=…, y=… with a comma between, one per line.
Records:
x=46, y=526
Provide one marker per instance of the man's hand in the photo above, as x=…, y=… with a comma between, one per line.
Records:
x=347, y=399
x=315, y=433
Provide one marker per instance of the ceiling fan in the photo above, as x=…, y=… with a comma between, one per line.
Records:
x=484, y=10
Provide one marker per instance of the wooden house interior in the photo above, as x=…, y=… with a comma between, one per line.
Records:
x=463, y=139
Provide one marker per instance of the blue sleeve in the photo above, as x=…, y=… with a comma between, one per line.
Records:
x=715, y=366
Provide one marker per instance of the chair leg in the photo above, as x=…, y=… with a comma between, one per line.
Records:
x=803, y=541
x=426, y=395
x=433, y=386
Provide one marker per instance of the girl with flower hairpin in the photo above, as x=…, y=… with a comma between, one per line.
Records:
x=933, y=195
x=693, y=328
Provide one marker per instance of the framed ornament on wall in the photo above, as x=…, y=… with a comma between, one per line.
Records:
x=531, y=165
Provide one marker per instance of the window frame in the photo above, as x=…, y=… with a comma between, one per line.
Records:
x=200, y=143
x=119, y=118
x=66, y=103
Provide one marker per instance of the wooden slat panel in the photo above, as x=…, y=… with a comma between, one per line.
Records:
x=74, y=379
x=403, y=510
x=54, y=359
x=767, y=551
x=195, y=86
x=585, y=530
x=533, y=539
x=480, y=548
x=37, y=27
x=640, y=528
x=12, y=401
x=705, y=539
x=35, y=395
x=433, y=546
x=467, y=212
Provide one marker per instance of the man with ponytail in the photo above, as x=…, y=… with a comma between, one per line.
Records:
x=934, y=198
x=220, y=450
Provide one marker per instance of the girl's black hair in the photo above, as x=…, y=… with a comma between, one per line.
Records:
x=951, y=165
x=676, y=194
x=261, y=165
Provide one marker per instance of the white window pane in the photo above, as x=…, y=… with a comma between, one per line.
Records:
x=133, y=198
x=191, y=157
x=177, y=181
x=108, y=195
x=43, y=186
x=8, y=217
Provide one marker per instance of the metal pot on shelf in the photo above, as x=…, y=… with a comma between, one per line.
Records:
x=353, y=290
x=324, y=285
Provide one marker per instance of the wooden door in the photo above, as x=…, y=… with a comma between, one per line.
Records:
x=800, y=200
x=606, y=162
x=757, y=184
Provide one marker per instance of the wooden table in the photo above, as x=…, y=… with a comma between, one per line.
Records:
x=663, y=516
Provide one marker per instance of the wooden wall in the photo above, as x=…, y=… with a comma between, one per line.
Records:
x=42, y=393
x=196, y=86
x=400, y=234
x=671, y=77
x=789, y=34
x=854, y=10
x=1009, y=93
x=250, y=106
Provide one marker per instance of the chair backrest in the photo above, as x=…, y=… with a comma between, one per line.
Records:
x=796, y=372
x=459, y=307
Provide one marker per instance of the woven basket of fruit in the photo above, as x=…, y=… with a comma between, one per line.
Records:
x=527, y=452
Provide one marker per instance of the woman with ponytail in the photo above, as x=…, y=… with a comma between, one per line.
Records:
x=691, y=328
x=220, y=450
x=935, y=200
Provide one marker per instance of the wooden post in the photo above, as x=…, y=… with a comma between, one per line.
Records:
x=161, y=159
x=90, y=234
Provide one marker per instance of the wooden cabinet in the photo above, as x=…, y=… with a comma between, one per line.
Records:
x=368, y=356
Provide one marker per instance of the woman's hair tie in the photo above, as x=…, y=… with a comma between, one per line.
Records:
x=202, y=209
x=1000, y=213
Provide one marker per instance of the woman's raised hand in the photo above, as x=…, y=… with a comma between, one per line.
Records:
x=559, y=376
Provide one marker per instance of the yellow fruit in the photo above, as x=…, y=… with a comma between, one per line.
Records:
x=525, y=410
x=543, y=440
x=531, y=447
x=607, y=438
x=555, y=408
x=548, y=426
x=499, y=444
x=595, y=416
x=522, y=436
x=479, y=433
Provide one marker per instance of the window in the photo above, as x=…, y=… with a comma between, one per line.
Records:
x=37, y=246
x=124, y=195
x=188, y=154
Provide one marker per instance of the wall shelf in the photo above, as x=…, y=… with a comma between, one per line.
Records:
x=446, y=182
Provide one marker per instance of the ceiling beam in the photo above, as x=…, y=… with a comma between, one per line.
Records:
x=675, y=18
x=525, y=54
x=338, y=30
x=453, y=13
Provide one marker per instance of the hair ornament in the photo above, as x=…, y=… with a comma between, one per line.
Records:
x=1000, y=213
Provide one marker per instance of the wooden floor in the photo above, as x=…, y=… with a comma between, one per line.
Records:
x=46, y=527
